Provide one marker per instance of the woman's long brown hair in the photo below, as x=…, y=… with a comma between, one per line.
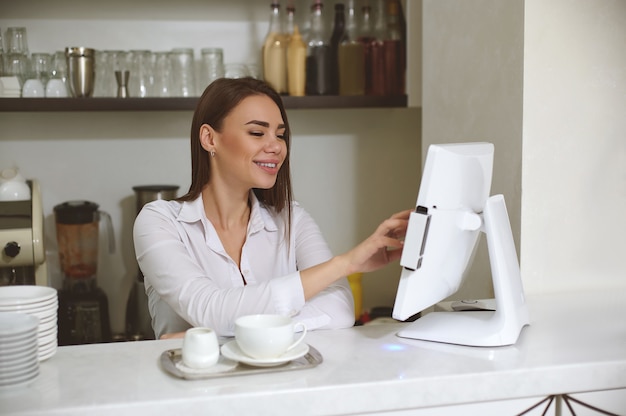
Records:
x=217, y=101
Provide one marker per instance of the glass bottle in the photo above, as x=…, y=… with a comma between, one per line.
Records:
x=351, y=57
x=290, y=18
x=395, y=49
x=275, y=52
x=296, y=62
x=378, y=61
x=318, y=59
x=367, y=38
x=339, y=29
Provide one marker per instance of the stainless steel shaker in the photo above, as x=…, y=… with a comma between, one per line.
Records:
x=81, y=74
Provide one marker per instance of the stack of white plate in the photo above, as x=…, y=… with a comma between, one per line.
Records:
x=38, y=301
x=19, y=362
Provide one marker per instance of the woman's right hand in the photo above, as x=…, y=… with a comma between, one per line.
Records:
x=381, y=248
x=378, y=250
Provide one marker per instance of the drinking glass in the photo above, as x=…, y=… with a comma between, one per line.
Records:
x=113, y=60
x=1, y=54
x=211, y=67
x=16, y=40
x=56, y=86
x=162, y=74
x=141, y=73
x=236, y=70
x=40, y=66
x=16, y=64
x=183, y=79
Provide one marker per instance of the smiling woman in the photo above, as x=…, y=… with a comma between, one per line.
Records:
x=237, y=243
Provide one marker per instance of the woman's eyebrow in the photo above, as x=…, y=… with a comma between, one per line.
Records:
x=263, y=124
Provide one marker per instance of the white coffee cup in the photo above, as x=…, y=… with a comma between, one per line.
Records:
x=200, y=348
x=266, y=336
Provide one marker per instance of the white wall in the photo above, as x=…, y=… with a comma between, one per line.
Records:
x=546, y=81
x=574, y=164
x=351, y=168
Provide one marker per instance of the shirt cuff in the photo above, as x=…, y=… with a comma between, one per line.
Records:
x=287, y=294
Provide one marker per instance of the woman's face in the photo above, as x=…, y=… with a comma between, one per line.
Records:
x=250, y=149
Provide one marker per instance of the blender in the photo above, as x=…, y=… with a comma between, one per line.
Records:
x=83, y=306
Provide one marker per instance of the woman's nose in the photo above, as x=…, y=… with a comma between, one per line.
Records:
x=275, y=145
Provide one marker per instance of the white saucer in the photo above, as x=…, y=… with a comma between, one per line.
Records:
x=232, y=351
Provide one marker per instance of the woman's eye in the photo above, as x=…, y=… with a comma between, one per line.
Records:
x=256, y=133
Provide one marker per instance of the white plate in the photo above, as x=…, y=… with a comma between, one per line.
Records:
x=45, y=353
x=47, y=326
x=37, y=306
x=48, y=339
x=19, y=371
x=25, y=295
x=12, y=299
x=20, y=380
x=7, y=348
x=232, y=351
x=13, y=323
x=17, y=340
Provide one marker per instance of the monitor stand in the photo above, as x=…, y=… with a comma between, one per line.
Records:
x=484, y=328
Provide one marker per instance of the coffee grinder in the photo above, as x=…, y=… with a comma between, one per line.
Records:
x=83, y=306
x=22, y=256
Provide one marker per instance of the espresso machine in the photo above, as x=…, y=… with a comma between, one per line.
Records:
x=83, y=306
x=22, y=257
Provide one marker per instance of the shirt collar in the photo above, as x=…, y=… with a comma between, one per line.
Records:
x=260, y=217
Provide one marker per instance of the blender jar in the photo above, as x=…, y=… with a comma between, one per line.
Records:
x=77, y=224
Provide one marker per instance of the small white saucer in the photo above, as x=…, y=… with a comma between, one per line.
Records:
x=232, y=351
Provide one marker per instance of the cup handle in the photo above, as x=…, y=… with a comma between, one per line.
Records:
x=300, y=338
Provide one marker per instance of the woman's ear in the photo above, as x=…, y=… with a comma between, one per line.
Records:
x=207, y=136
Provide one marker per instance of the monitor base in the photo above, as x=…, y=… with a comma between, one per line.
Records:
x=484, y=328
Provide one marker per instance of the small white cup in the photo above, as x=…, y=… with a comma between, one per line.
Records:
x=200, y=348
x=266, y=336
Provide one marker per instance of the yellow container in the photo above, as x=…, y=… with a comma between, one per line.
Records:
x=357, y=293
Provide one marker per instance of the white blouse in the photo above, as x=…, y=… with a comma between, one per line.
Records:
x=190, y=280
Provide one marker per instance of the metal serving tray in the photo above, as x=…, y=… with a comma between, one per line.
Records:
x=171, y=361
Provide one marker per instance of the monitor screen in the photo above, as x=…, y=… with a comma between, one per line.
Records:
x=453, y=208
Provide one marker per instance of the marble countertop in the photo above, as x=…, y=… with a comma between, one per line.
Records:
x=576, y=342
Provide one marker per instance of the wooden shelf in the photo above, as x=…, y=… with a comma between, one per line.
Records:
x=186, y=104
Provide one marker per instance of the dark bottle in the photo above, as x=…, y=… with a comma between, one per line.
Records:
x=395, y=49
x=351, y=57
x=367, y=39
x=339, y=29
x=377, y=50
x=318, y=58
